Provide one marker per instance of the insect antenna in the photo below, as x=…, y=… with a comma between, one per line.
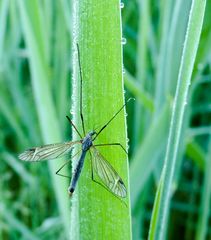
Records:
x=81, y=92
x=112, y=118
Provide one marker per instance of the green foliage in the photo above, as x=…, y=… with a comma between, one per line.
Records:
x=35, y=95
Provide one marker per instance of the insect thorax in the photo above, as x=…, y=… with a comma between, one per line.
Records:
x=87, y=142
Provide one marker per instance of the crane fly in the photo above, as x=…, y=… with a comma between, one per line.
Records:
x=107, y=174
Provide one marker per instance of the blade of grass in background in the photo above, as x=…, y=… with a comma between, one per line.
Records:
x=202, y=225
x=161, y=206
x=161, y=92
x=140, y=94
x=96, y=213
x=141, y=115
x=176, y=36
x=15, y=223
x=4, y=6
x=143, y=162
x=18, y=168
x=203, y=54
x=61, y=63
x=33, y=29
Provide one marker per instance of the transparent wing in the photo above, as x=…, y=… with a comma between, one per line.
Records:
x=107, y=174
x=47, y=152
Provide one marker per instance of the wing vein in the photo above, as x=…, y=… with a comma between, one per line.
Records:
x=107, y=174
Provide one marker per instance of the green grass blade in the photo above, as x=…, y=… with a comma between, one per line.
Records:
x=15, y=223
x=160, y=92
x=138, y=92
x=3, y=20
x=141, y=116
x=18, y=168
x=176, y=36
x=35, y=40
x=196, y=153
x=202, y=226
x=186, y=68
x=7, y=113
x=155, y=214
x=96, y=213
x=143, y=162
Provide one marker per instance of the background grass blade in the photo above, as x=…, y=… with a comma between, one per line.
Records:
x=36, y=41
x=159, y=220
x=143, y=161
x=202, y=225
x=16, y=224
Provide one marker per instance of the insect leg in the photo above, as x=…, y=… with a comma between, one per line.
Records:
x=92, y=171
x=102, y=185
x=57, y=172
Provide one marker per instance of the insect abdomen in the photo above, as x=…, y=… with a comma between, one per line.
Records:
x=76, y=173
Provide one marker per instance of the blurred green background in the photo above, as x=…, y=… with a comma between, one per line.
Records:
x=35, y=96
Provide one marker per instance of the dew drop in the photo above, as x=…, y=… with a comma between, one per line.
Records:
x=123, y=70
x=124, y=41
x=72, y=112
x=122, y=5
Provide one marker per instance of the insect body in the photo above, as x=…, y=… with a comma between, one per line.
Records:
x=86, y=144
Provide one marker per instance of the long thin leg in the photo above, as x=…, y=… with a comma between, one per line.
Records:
x=81, y=89
x=92, y=171
x=112, y=118
x=73, y=125
x=111, y=144
x=57, y=172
